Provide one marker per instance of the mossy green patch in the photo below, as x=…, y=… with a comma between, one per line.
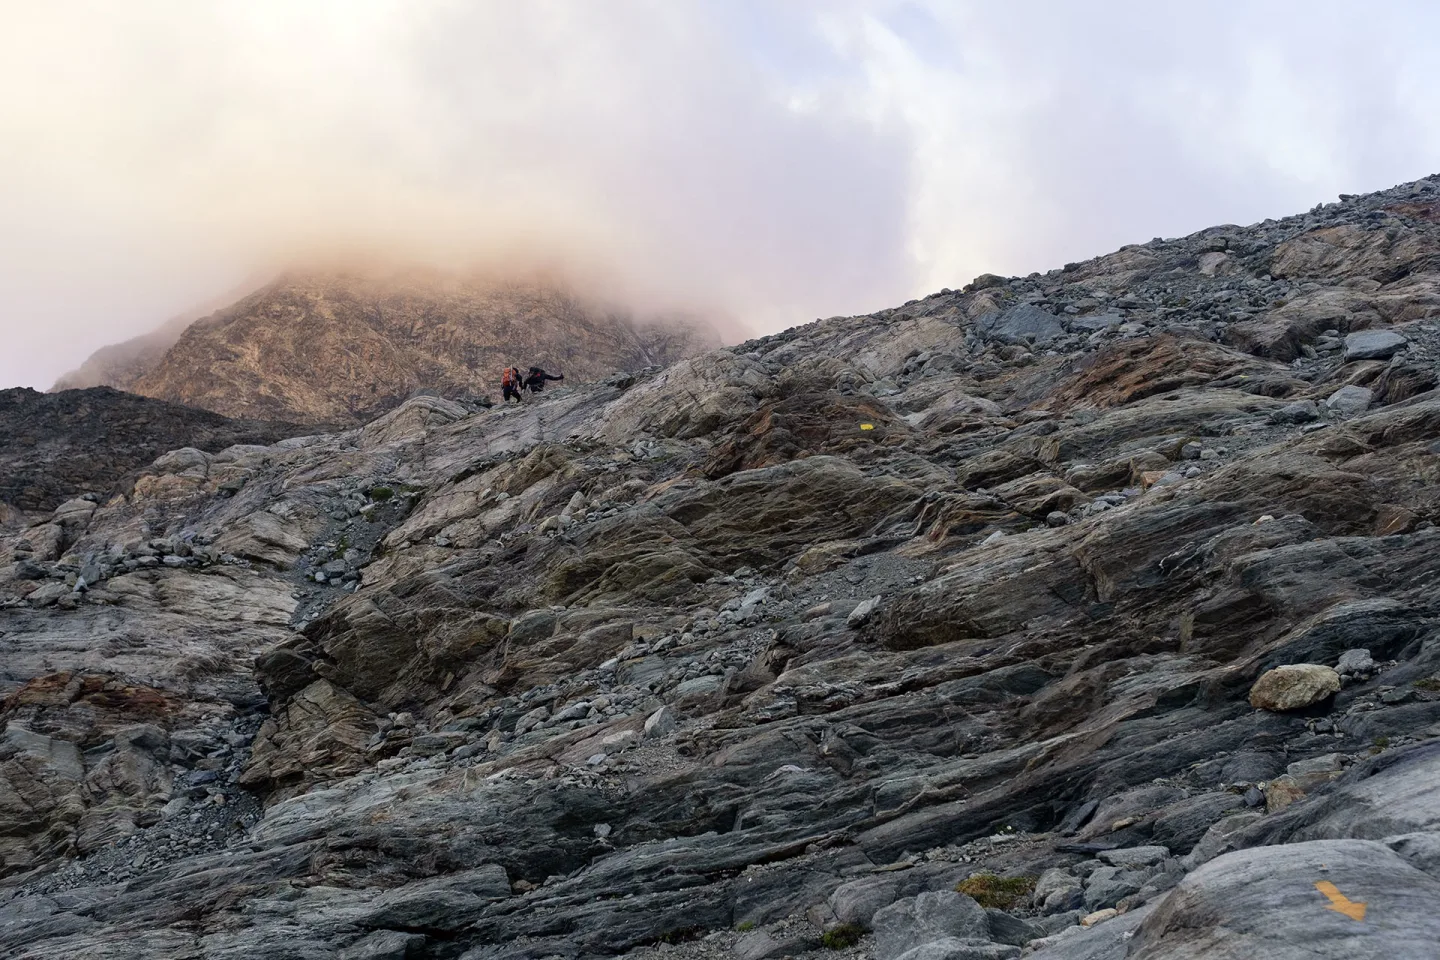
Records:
x=1000, y=893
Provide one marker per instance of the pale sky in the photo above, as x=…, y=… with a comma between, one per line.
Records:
x=774, y=160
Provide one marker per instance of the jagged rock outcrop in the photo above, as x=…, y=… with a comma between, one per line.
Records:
x=796, y=636
x=336, y=347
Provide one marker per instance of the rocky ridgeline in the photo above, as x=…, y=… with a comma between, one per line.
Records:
x=57, y=446
x=1087, y=615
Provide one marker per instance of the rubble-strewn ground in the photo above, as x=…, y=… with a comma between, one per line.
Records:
x=763, y=654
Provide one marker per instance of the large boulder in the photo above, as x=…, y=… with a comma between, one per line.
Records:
x=1373, y=345
x=1350, y=400
x=1294, y=687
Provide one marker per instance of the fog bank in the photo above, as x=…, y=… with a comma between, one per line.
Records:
x=769, y=163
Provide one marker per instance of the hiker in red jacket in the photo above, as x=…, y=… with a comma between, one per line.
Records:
x=511, y=384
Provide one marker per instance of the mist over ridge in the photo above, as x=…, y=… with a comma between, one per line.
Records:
x=768, y=164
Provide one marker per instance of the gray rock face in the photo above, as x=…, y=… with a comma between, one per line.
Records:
x=1395, y=793
x=915, y=921
x=1011, y=930
x=1107, y=886
x=1134, y=856
x=384, y=945
x=760, y=945
x=859, y=900
x=1420, y=850
x=1109, y=940
x=576, y=679
x=1373, y=345
x=1329, y=898
x=1105, y=321
x=1020, y=324
x=951, y=948
x=1059, y=891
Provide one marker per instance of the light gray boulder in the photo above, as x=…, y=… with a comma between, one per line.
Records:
x=1373, y=345
x=1355, y=661
x=1350, y=401
x=661, y=723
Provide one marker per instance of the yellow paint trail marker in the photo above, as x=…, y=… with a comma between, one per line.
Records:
x=867, y=426
x=1339, y=902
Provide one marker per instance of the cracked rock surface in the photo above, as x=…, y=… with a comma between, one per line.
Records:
x=928, y=633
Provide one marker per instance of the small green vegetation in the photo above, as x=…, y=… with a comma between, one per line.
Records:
x=1429, y=684
x=1001, y=893
x=1381, y=743
x=381, y=494
x=745, y=926
x=842, y=937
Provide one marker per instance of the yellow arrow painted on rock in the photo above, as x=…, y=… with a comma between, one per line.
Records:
x=1339, y=902
x=867, y=426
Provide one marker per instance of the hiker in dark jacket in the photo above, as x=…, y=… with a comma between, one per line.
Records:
x=535, y=382
x=511, y=384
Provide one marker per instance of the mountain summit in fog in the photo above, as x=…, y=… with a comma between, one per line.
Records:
x=333, y=346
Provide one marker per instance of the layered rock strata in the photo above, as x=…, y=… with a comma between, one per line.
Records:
x=771, y=650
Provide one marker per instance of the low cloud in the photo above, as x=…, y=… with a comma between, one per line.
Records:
x=769, y=163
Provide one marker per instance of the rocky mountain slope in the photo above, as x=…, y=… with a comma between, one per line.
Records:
x=57, y=446
x=1107, y=596
x=335, y=347
x=120, y=365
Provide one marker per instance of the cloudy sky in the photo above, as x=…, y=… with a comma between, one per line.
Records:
x=777, y=161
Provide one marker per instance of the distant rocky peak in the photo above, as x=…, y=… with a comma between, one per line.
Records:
x=339, y=344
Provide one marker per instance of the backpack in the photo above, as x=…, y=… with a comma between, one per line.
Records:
x=509, y=379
